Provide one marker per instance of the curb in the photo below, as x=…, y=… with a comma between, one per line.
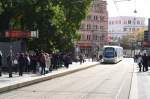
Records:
x=43, y=78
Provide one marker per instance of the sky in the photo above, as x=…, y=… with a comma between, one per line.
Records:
x=126, y=8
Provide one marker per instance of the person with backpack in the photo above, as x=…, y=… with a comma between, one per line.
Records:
x=139, y=62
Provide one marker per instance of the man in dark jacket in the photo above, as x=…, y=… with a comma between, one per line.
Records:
x=67, y=60
x=0, y=63
x=42, y=63
x=21, y=62
x=145, y=62
x=9, y=63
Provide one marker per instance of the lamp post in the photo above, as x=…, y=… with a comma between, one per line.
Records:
x=9, y=58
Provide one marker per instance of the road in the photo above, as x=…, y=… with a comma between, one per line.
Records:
x=104, y=81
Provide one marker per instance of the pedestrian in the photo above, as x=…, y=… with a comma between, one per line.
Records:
x=21, y=64
x=145, y=62
x=100, y=58
x=27, y=63
x=67, y=60
x=9, y=64
x=52, y=62
x=15, y=63
x=139, y=61
x=0, y=63
x=81, y=58
x=34, y=60
x=42, y=63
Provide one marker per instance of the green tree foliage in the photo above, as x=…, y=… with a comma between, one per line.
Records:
x=128, y=41
x=1, y=8
x=56, y=20
x=125, y=41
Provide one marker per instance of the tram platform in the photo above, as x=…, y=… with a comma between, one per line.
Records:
x=7, y=84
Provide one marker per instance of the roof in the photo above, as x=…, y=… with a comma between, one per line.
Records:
x=112, y=46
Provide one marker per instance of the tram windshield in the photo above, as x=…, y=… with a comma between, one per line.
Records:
x=109, y=52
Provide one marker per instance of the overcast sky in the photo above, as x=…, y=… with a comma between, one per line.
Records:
x=126, y=8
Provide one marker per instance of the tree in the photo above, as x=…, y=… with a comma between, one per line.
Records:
x=1, y=8
x=139, y=35
x=125, y=41
x=75, y=11
x=128, y=41
x=56, y=20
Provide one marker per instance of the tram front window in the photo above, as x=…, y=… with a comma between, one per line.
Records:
x=109, y=53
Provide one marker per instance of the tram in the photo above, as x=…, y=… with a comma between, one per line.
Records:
x=112, y=54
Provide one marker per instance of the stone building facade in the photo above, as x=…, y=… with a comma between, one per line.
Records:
x=94, y=29
x=124, y=25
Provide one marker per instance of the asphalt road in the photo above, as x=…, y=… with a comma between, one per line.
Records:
x=104, y=81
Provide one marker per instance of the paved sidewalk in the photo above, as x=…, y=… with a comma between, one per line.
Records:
x=140, y=84
x=16, y=81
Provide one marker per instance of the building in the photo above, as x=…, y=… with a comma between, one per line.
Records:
x=124, y=25
x=94, y=29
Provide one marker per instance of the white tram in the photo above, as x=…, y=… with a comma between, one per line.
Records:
x=112, y=54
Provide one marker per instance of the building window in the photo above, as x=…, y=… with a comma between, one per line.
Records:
x=102, y=18
x=133, y=29
x=93, y=37
x=101, y=28
x=96, y=38
x=124, y=29
x=125, y=22
x=138, y=22
x=109, y=22
x=112, y=22
x=95, y=27
x=88, y=37
x=119, y=21
x=89, y=17
x=95, y=18
x=116, y=22
x=129, y=21
x=83, y=37
x=82, y=26
x=88, y=26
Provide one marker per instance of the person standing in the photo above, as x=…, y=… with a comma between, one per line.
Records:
x=81, y=59
x=21, y=62
x=9, y=64
x=34, y=60
x=145, y=62
x=42, y=63
x=27, y=63
x=139, y=61
x=67, y=60
x=0, y=63
x=100, y=58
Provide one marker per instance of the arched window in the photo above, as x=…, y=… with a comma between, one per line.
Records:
x=129, y=21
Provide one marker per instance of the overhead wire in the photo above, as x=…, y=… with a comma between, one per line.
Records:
x=116, y=7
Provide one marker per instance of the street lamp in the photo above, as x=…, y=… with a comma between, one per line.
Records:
x=9, y=58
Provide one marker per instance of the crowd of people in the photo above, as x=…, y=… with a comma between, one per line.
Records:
x=36, y=62
x=142, y=61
